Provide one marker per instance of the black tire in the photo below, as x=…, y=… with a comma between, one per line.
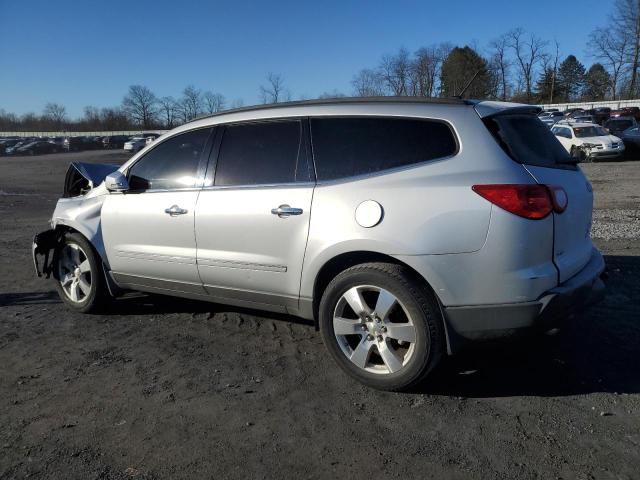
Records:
x=99, y=295
x=418, y=301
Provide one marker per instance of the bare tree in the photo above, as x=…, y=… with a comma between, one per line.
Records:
x=275, y=90
x=140, y=105
x=237, y=103
x=213, y=102
x=56, y=113
x=396, y=72
x=191, y=103
x=169, y=110
x=612, y=50
x=368, y=83
x=528, y=51
x=500, y=63
x=625, y=25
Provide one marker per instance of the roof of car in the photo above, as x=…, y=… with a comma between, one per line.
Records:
x=340, y=101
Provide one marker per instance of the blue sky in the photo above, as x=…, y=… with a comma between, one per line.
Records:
x=87, y=52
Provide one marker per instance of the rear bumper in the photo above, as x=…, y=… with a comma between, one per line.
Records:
x=484, y=322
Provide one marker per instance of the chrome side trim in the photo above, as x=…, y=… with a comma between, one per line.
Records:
x=157, y=257
x=207, y=262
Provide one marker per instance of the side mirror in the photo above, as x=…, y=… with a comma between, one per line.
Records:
x=116, y=182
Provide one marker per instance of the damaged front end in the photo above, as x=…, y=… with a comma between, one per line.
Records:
x=78, y=209
x=82, y=177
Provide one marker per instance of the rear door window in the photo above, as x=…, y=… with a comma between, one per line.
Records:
x=527, y=140
x=262, y=153
x=350, y=146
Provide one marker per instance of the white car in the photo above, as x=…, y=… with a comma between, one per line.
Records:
x=593, y=137
x=135, y=144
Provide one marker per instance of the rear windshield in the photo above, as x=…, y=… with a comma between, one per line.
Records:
x=584, y=132
x=527, y=140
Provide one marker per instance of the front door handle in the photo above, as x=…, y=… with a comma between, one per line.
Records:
x=285, y=210
x=175, y=210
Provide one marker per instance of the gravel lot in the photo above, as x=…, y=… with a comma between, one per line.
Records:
x=168, y=388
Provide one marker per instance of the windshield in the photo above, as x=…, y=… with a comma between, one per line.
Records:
x=527, y=140
x=583, y=132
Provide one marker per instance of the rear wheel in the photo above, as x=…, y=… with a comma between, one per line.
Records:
x=79, y=278
x=382, y=326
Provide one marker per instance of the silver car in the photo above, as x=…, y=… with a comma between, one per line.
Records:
x=403, y=228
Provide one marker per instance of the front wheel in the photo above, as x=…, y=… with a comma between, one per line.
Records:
x=79, y=278
x=382, y=326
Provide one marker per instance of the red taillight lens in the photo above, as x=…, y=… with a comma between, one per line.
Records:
x=528, y=201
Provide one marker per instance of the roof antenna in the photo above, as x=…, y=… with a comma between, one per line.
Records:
x=466, y=87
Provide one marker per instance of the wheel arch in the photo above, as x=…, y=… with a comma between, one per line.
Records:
x=331, y=268
x=345, y=260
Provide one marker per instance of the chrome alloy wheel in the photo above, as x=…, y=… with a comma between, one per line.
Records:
x=74, y=272
x=374, y=329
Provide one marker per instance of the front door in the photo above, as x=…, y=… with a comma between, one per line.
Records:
x=252, y=222
x=149, y=231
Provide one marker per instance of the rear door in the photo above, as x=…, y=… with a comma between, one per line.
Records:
x=252, y=220
x=529, y=142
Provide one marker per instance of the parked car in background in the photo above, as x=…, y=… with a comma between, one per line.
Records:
x=601, y=114
x=114, y=141
x=135, y=144
x=12, y=150
x=78, y=144
x=627, y=112
x=37, y=147
x=584, y=119
x=617, y=125
x=595, y=138
x=57, y=140
x=631, y=139
x=339, y=237
x=6, y=144
x=551, y=118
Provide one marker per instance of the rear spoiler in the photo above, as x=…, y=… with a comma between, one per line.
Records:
x=487, y=109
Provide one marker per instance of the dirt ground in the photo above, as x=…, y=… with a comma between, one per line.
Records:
x=168, y=388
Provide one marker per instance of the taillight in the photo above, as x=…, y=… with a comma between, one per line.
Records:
x=530, y=201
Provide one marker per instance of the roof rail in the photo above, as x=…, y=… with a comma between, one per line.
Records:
x=338, y=101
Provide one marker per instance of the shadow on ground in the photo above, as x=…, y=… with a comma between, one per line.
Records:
x=596, y=352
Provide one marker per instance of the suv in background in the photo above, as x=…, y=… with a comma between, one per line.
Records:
x=588, y=137
x=114, y=141
x=617, y=125
x=402, y=227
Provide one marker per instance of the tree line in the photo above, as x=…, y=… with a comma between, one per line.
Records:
x=516, y=66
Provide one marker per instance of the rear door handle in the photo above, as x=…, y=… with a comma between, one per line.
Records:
x=175, y=210
x=286, y=210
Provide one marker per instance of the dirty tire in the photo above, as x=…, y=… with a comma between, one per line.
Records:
x=419, y=303
x=98, y=296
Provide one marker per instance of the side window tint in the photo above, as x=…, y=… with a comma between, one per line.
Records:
x=345, y=147
x=172, y=164
x=260, y=153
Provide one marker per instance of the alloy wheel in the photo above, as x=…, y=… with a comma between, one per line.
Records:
x=374, y=330
x=74, y=272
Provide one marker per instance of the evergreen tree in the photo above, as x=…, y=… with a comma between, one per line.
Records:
x=571, y=77
x=597, y=83
x=459, y=68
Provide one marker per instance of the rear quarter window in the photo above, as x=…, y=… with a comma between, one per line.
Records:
x=351, y=146
x=528, y=141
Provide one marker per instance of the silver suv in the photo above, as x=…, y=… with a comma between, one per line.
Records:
x=402, y=227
